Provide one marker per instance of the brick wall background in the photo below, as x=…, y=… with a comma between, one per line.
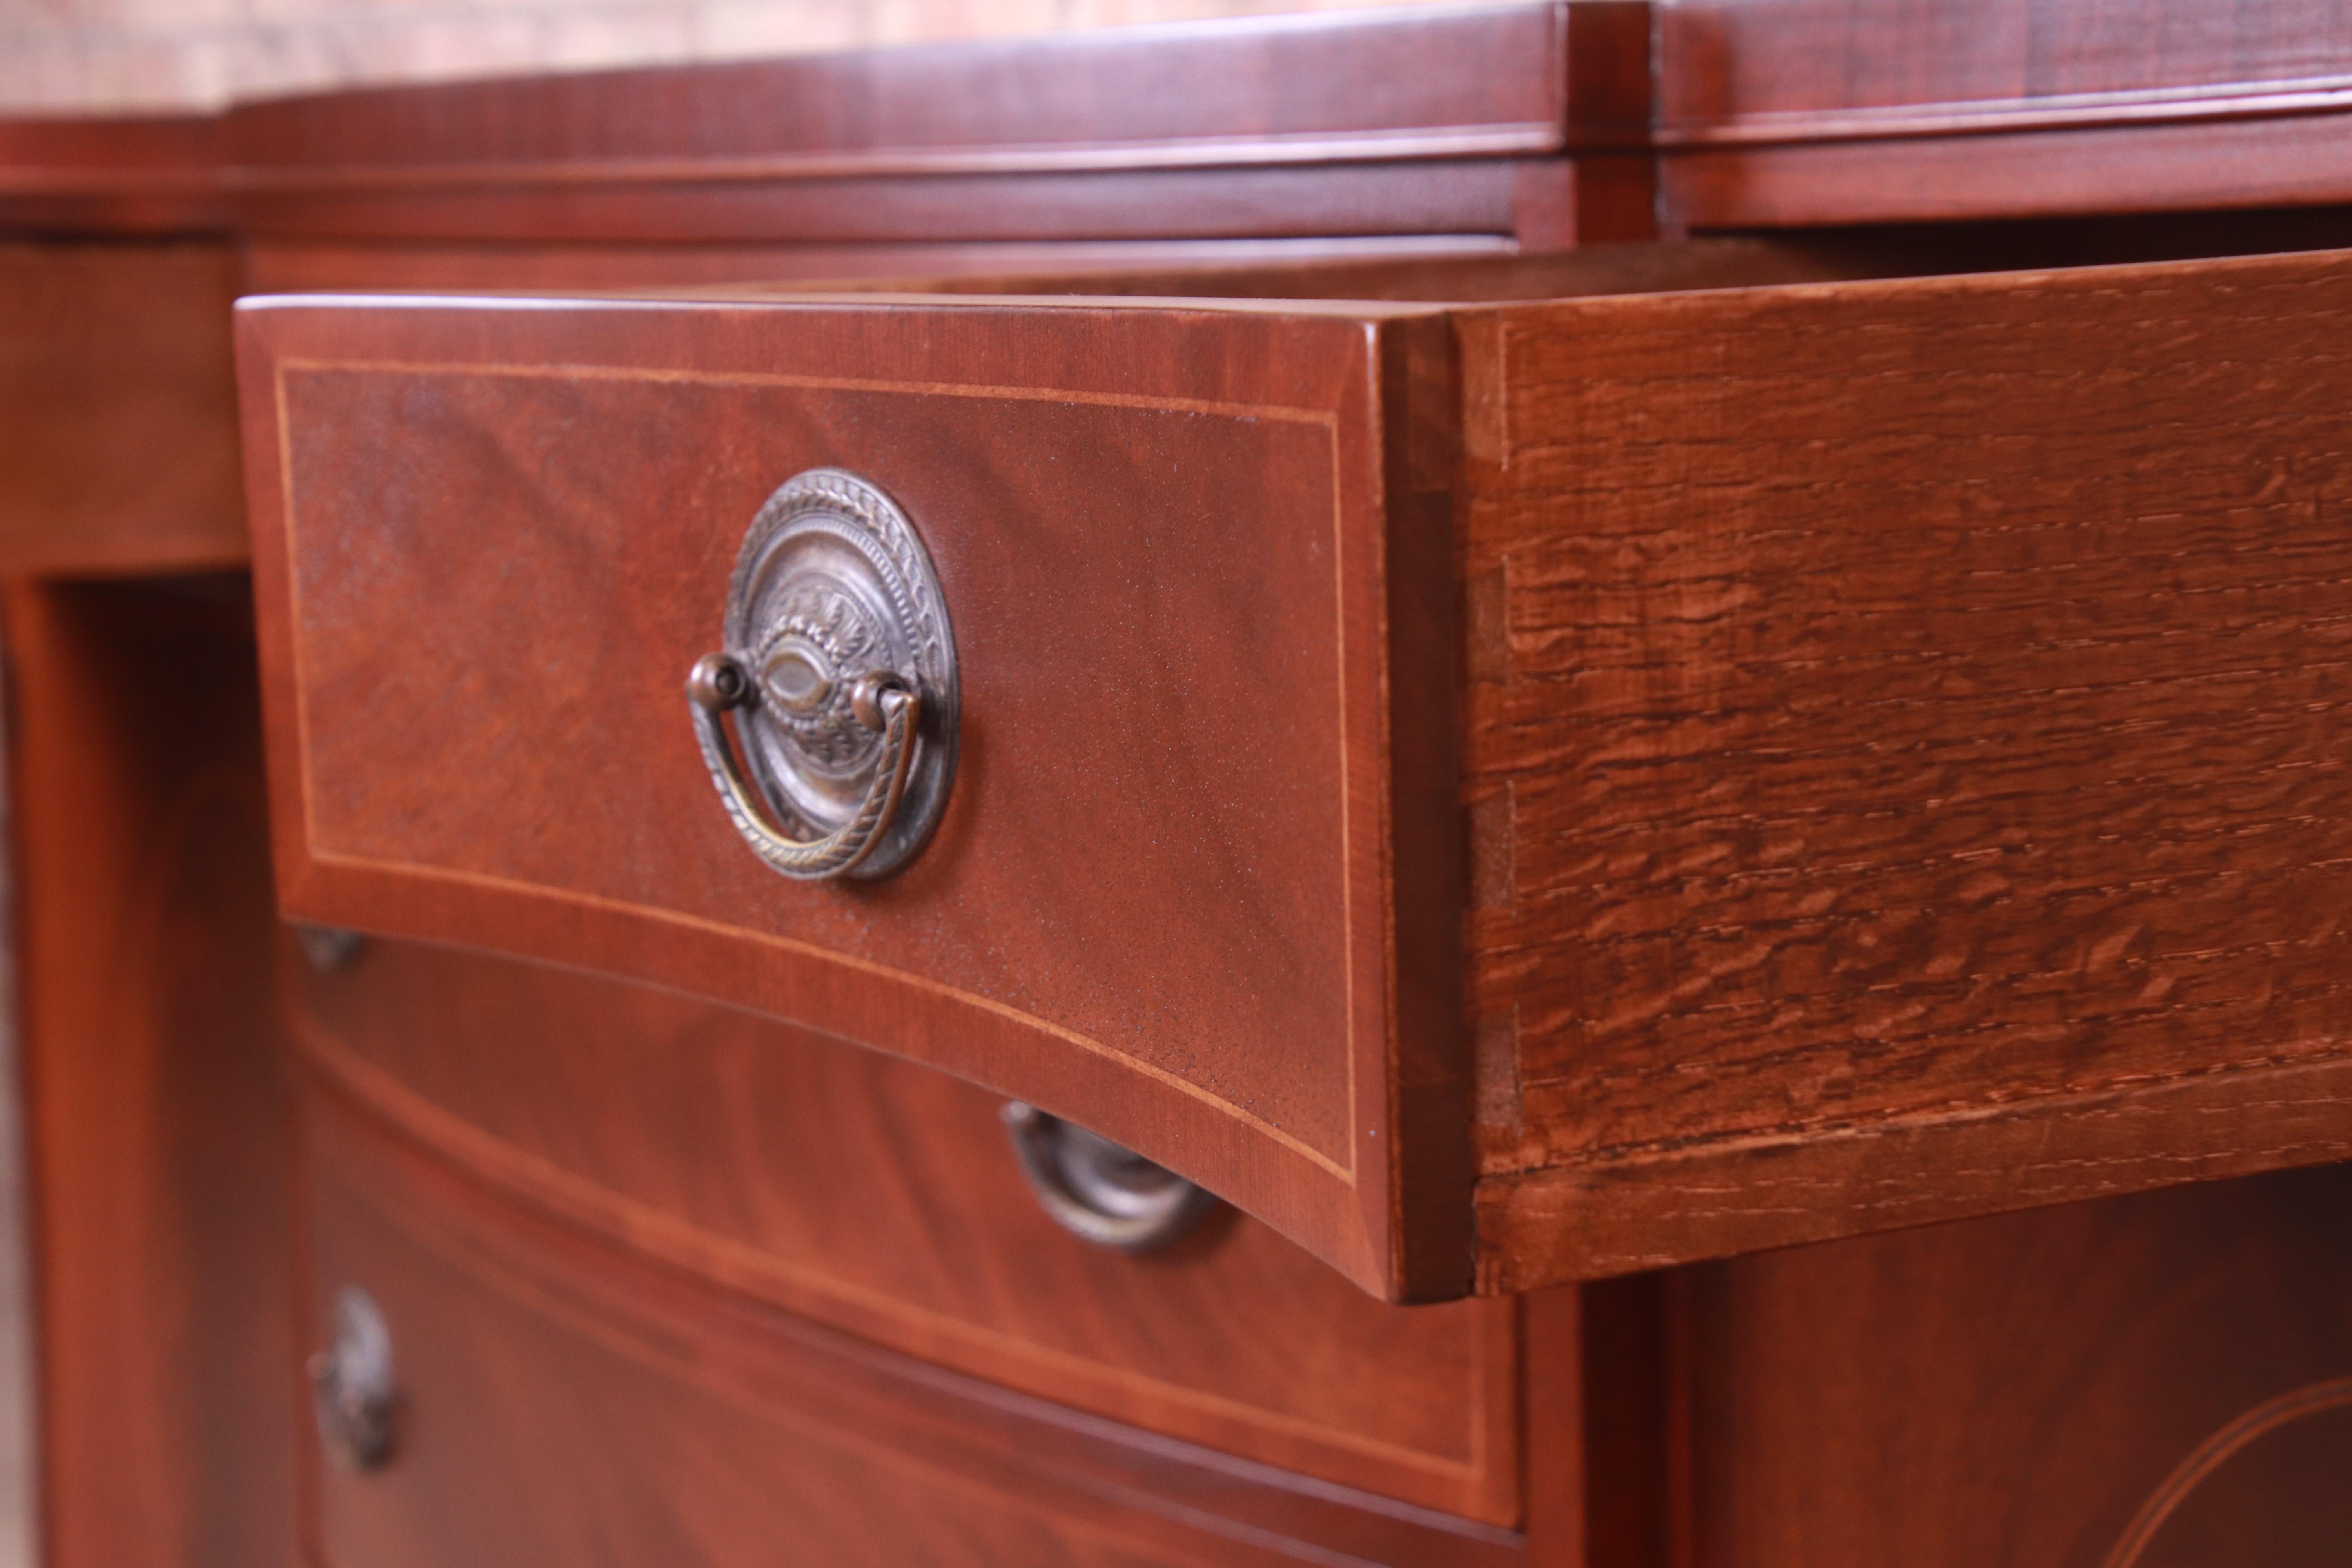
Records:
x=84, y=55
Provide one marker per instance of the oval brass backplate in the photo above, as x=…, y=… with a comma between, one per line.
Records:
x=833, y=586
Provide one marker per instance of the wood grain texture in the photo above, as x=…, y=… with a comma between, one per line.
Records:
x=1417, y=276
x=1484, y=78
x=1744, y=1195
x=1299, y=200
x=154, y=1112
x=110, y=55
x=325, y=267
x=1554, y=1402
x=1160, y=535
x=119, y=448
x=1437, y=269
x=1526, y=121
x=2253, y=163
x=1519, y=122
x=115, y=176
x=561, y=1404
x=1638, y=1485
x=2019, y=1390
x=1811, y=112
x=1903, y=764
x=863, y=1191
x=1456, y=271
x=1747, y=64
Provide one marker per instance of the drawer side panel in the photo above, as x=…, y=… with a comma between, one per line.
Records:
x=1911, y=750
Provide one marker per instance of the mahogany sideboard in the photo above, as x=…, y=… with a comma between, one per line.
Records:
x=1538, y=783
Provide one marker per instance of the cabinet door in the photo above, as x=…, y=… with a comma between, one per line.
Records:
x=2149, y=1381
x=1547, y=788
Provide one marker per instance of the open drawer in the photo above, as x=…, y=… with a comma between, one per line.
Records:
x=1504, y=792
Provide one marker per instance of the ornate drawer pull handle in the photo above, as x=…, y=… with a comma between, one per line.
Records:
x=352, y=1384
x=881, y=701
x=837, y=662
x=1099, y=1190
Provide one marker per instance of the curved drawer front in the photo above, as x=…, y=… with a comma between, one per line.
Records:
x=884, y=1198
x=544, y=1403
x=499, y=536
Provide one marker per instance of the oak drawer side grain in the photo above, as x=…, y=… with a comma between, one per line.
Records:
x=1920, y=712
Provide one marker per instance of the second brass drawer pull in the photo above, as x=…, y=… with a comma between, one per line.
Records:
x=839, y=666
x=1099, y=1190
x=352, y=1384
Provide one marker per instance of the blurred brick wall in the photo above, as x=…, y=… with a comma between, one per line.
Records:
x=80, y=56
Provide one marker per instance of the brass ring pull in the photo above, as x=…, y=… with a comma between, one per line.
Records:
x=882, y=702
x=351, y=1386
x=837, y=661
x=1100, y=1191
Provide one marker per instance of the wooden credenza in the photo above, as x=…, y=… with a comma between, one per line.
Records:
x=1603, y=744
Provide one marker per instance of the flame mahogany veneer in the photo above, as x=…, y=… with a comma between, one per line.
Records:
x=880, y=1198
x=566, y=1403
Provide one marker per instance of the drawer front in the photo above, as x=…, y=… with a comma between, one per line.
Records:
x=491, y=540
x=546, y=1403
x=884, y=1198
